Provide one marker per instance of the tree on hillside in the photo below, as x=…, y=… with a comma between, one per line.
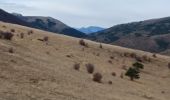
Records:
x=133, y=73
x=138, y=66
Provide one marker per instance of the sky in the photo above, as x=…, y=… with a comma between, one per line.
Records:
x=83, y=13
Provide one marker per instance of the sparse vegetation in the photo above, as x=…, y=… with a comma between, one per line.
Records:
x=30, y=32
x=77, y=66
x=169, y=65
x=110, y=82
x=6, y=35
x=21, y=35
x=13, y=30
x=90, y=68
x=11, y=50
x=113, y=74
x=154, y=55
x=83, y=43
x=46, y=38
x=122, y=75
x=97, y=77
x=101, y=46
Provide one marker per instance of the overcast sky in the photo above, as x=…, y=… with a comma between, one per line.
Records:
x=79, y=13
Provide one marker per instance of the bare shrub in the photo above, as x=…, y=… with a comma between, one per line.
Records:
x=90, y=68
x=83, y=43
x=169, y=65
x=113, y=74
x=97, y=77
x=46, y=38
x=30, y=32
x=7, y=35
x=110, y=82
x=122, y=75
x=146, y=58
x=133, y=55
x=110, y=61
x=101, y=46
x=111, y=57
x=21, y=35
x=11, y=50
x=154, y=55
x=13, y=30
x=77, y=66
x=139, y=59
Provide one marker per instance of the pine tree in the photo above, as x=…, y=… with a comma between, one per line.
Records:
x=133, y=73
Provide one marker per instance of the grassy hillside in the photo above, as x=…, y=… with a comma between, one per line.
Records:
x=154, y=33
x=39, y=65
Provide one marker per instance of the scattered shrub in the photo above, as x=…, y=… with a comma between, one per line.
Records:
x=7, y=35
x=11, y=50
x=4, y=26
x=21, y=35
x=111, y=57
x=138, y=59
x=90, y=68
x=30, y=32
x=13, y=30
x=113, y=74
x=122, y=75
x=101, y=46
x=46, y=38
x=133, y=55
x=97, y=77
x=110, y=82
x=154, y=55
x=83, y=43
x=76, y=66
x=146, y=58
x=110, y=61
x=169, y=65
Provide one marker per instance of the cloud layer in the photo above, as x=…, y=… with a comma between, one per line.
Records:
x=78, y=13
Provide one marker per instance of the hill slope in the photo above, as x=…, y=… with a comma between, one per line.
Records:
x=39, y=70
x=150, y=35
x=51, y=25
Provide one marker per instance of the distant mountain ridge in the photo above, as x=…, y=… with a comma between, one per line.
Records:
x=9, y=18
x=90, y=29
x=39, y=22
x=149, y=35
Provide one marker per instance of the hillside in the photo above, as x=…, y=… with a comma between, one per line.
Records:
x=154, y=33
x=50, y=24
x=9, y=18
x=44, y=23
x=36, y=68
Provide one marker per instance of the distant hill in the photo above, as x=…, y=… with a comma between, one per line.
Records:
x=9, y=18
x=52, y=25
x=149, y=35
x=90, y=29
x=43, y=23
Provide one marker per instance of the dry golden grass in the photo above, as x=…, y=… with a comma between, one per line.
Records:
x=43, y=70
